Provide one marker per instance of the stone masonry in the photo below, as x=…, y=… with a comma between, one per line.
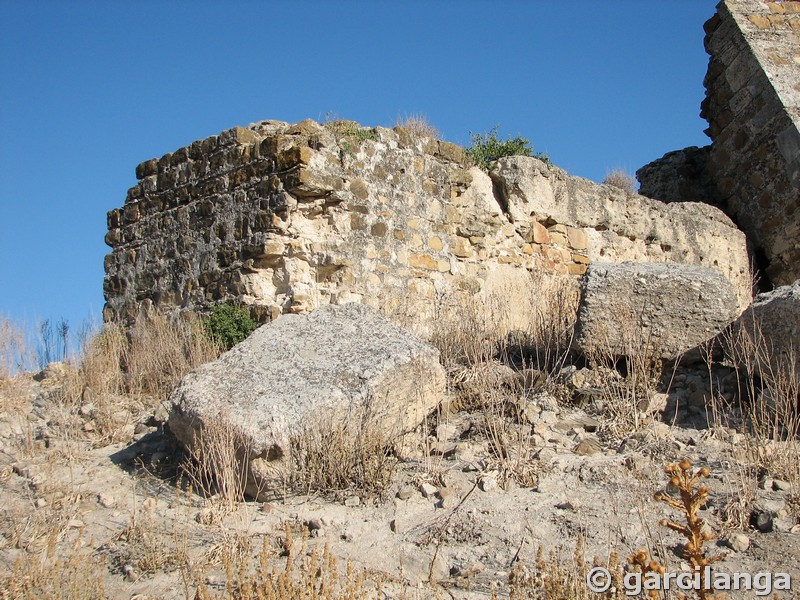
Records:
x=284, y=218
x=753, y=108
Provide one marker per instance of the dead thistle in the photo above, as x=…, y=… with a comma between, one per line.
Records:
x=692, y=498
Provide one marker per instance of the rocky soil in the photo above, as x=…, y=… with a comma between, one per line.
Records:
x=455, y=522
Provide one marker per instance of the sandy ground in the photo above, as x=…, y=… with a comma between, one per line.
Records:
x=450, y=525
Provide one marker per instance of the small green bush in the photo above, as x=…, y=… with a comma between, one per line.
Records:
x=229, y=325
x=487, y=148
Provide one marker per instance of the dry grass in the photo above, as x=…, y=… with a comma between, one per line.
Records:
x=148, y=546
x=114, y=378
x=314, y=575
x=622, y=180
x=554, y=576
x=15, y=353
x=474, y=330
x=630, y=369
x=339, y=457
x=496, y=362
x=763, y=410
x=217, y=467
x=48, y=539
x=419, y=126
x=123, y=374
x=79, y=576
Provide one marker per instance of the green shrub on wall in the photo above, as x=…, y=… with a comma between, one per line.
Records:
x=229, y=325
x=488, y=147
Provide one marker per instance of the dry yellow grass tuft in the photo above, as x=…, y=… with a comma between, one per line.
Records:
x=312, y=574
x=79, y=576
x=124, y=373
x=622, y=180
x=418, y=125
x=337, y=457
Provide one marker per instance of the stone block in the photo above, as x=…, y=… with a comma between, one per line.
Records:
x=147, y=168
x=539, y=233
x=653, y=309
x=296, y=155
x=342, y=365
x=422, y=261
x=577, y=269
x=760, y=21
x=577, y=238
x=580, y=258
x=460, y=247
x=773, y=320
x=558, y=238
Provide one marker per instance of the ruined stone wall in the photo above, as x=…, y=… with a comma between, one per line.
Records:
x=288, y=217
x=284, y=218
x=753, y=105
x=680, y=176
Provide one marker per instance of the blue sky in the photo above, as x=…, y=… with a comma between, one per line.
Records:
x=90, y=89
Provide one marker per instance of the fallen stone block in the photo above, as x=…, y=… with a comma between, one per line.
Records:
x=342, y=364
x=769, y=331
x=658, y=309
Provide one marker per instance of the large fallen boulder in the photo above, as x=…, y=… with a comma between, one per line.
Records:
x=768, y=332
x=336, y=363
x=658, y=309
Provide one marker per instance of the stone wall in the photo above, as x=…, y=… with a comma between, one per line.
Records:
x=752, y=105
x=680, y=176
x=284, y=218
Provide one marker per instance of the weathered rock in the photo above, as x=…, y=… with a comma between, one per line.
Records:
x=752, y=106
x=428, y=490
x=588, y=447
x=738, y=542
x=679, y=176
x=623, y=227
x=774, y=318
x=340, y=363
x=285, y=218
x=659, y=309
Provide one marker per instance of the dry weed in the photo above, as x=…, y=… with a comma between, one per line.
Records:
x=122, y=374
x=493, y=366
x=555, y=577
x=336, y=457
x=474, y=330
x=631, y=370
x=308, y=574
x=622, y=180
x=766, y=406
x=148, y=546
x=78, y=576
x=217, y=466
x=15, y=353
x=692, y=496
x=418, y=125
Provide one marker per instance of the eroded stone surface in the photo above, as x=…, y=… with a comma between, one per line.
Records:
x=773, y=323
x=652, y=310
x=285, y=218
x=680, y=176
x=338, y=363
x=752, y=105
x=621, y=227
